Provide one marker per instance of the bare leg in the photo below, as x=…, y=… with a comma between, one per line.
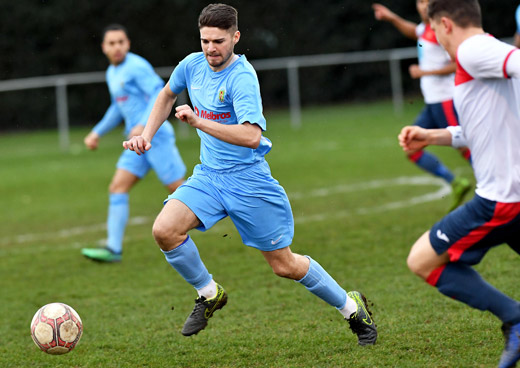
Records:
x=122, y=181
x=423, y=259
x=172, y=225
x=287, y=264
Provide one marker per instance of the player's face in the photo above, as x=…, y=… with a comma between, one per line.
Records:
x=115, y=46
x=422, y=9
x=217, y=45
x=442, y=31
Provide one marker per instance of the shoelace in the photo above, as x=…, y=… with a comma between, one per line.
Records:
x=199, y=304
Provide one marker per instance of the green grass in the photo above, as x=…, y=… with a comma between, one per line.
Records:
x=53, y=204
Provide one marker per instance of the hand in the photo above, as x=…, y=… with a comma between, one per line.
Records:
x=185, y=113
x=137, y=130
x=413, y=138
x=138, y=144
x=415, y=71
x=381, y=12
x=91, y=141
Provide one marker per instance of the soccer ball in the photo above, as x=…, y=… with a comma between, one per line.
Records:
x=56, y=328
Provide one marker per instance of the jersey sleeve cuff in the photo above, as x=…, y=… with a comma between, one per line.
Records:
x=457, y=136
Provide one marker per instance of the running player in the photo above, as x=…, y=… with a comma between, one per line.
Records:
x=133, y=86
x=233, y=178
x=435, y=71
x=487, y=91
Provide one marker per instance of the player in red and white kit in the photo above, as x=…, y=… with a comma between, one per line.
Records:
x=435, y=70
x=487, y=98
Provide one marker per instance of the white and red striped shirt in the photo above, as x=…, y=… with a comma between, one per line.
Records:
x=432, y=56
x=487, y=99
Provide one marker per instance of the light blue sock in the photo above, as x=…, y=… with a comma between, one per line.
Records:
x=431, y=163
x=321, y=284
x=116, y=222
x=186, y=261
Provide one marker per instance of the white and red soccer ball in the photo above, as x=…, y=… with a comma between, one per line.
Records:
x=56, y=328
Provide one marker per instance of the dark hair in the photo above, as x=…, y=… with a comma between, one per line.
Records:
x=113, y=27
x=221, y=16
x=465, y=13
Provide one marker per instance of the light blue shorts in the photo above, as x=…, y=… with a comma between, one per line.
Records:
x=164, y=158
x=255, y=201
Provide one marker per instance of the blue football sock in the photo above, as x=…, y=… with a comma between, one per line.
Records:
x=186, y=261
x=116, y=222
x=461, y=282
x=321, y=284
x=431, y=164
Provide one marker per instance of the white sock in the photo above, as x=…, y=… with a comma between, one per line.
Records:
x=349, y=308
x=208, y=291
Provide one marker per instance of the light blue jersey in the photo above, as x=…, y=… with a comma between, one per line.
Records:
x=230, y=96
x=133, y=87
x=517, y=17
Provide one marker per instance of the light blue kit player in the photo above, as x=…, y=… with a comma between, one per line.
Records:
x=133, y=86
x=233, y=178
x=517, y=33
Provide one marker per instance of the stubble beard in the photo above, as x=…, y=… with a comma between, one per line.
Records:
x=224, y=60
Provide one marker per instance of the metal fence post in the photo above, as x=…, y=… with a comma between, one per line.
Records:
x=294, y=94
x=62, y=112
x=397, y=87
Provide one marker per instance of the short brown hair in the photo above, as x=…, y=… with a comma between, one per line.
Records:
x=221, y=16
x=113, y=27
x=465, y=13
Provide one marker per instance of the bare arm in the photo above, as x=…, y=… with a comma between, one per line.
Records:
x=404, y=26
x=246, y=134
x=110, y=120
x=160, y=112
x=416, y=72
x=415, y=138
x=517, y=40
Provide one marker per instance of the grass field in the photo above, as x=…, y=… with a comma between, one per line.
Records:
x=354, y=202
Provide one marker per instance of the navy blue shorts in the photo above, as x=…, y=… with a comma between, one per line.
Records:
x=472, y=229
x=438, y=116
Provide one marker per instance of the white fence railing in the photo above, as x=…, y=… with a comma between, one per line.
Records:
x=291, y=64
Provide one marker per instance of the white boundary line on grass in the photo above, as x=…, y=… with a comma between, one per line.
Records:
x=443, y=191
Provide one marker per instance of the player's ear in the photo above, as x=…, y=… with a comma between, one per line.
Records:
x=447, y=24
x=236, y=37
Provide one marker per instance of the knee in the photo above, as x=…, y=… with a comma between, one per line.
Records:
x=165, y=235
x=283, y=270
x=421, y=267
x=289, y=265
x=414, y=265
x=159, y=232
x=116, y=188
x=423, y=259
